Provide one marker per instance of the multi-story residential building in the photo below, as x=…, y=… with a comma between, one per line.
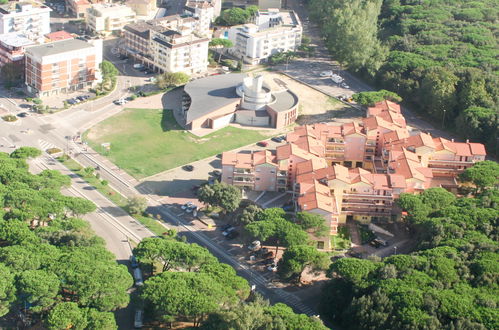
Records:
x=269, y=4
x=105, y=18
x=272, y=31
x=355, y=170
x=62, y=66
x=168, y=45
x=204, y=11
x=32, y=19
x=12, y=47
x=78, y=8
x=145, y=8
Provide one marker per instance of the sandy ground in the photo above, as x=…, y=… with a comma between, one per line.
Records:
x=314, y=106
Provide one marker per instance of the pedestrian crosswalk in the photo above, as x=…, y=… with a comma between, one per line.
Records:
x=44, y=145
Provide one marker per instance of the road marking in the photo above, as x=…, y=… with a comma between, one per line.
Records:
x=44, y=145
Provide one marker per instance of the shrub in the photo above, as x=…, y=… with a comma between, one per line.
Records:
x=9, y=118
x=52, y=151
x=37, y=101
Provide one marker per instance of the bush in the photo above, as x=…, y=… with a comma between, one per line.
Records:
x=37, y=101
x=52, y=151
x=9, y=118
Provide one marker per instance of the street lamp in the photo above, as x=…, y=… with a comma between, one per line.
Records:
x=443, y=118
x=395, y=249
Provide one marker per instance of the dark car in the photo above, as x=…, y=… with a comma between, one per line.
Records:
x=188, y=168
x=268, y=255
x=233, y=234
x=133, y=262
x=262, y=144
x=225, y=227
x=375, y=243
x=268, y=261
x=276, y=139
x=216, y=173
x=71, y=101
x=22, y=114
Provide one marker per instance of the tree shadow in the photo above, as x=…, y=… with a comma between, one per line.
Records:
x=175, y=188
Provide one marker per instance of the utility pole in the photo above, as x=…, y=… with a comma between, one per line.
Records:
x=443, y=118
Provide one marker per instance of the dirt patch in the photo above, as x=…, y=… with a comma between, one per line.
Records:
x=314, y=106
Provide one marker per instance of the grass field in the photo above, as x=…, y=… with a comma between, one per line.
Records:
x=147, y=141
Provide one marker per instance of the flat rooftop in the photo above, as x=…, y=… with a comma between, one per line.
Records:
x=15, y=40
x=58, y=47
x=284, y=100
x=211, y=93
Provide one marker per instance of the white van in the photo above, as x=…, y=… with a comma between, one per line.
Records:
x=139, y=316
x=137, y=275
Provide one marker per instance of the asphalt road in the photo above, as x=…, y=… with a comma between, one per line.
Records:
x=109, y=222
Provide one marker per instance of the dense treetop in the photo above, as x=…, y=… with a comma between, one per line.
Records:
x=439, y=55
x=53, y=268
x=450, y=282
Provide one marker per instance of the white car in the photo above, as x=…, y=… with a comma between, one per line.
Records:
x=255, y=245
x=345, y=85
x=272, y=267
x=326, y=73
x=187, y=206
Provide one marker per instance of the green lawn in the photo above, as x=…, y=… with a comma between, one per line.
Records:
x=148, y=141
x=341, y=241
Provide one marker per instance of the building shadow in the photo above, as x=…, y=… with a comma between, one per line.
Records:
x=172, y=102
x=228, y=92
x=178, y=188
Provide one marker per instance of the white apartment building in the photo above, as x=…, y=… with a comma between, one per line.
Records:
x=32, y=19
x=204, y=12
x=272, y=31
x=179, y=51
x=167, y=44
x=106, y=18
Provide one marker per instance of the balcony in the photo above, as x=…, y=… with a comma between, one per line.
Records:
x=282, y=173
x=282, y=182
x=243, y=180
x=354, y=194
x=243, y=171
x=337, y=141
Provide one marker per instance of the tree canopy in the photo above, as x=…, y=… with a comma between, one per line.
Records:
x=370, y=98
x=172, y=79
x=53, y=268
x=439, y=55
x=220, y=194
x=449, y=282
x=236, y=15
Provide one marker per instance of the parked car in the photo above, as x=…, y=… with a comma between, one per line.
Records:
x=381, y=241
x=233, y=234
x=22, y=114
x=375, y=243
x=187, y=205
x=228, y=231
x=255, y=245
x=288, y=208
x=71, y=101
x=268, y=255
x=216, y=173
x=190, y=209
x=326, y=73
x=225, y=227
x=268, y=261
x=272, y=267
x=276, y=139
x=137, y=275
x=138, y=319
x=188, y=168
x=262, y=144
x=138, y=66
x=133, y=262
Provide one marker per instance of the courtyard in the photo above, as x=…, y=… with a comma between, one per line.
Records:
x=144, y=142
